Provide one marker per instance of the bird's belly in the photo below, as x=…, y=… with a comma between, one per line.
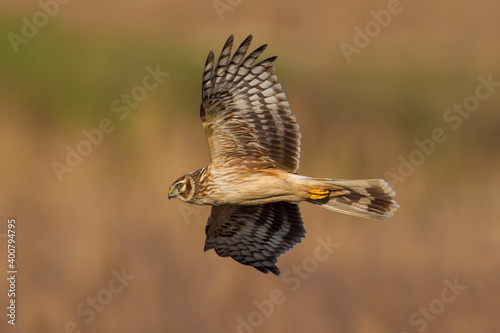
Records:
x=255, y=188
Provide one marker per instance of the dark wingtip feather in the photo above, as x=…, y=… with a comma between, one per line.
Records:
x=208, y=74
x=266, y=269
x=259, y=50
x=229, y=43
x=207, y=247
x=209, y=65
x=268, y=61
x=247, y=40
x=210, y=58
x=275, y=270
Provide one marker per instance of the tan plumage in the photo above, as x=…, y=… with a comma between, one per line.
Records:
x=251, y=181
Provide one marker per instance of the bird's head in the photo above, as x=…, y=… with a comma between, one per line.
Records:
x=182, y=188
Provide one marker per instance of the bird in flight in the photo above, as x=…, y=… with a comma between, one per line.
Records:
x=252, y=182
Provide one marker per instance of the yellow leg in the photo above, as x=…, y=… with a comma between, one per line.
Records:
x=318, y=194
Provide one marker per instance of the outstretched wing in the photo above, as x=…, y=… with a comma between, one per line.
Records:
x=254, y=235
x=245, y=113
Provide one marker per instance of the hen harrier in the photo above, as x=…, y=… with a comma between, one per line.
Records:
x=252, y=182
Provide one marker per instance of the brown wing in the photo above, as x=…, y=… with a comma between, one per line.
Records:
x=254, y=235
x=244, y=111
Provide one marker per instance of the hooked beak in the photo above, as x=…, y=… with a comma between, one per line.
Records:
x=170, y=195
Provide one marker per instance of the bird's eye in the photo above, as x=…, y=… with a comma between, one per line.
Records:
x=179, y=185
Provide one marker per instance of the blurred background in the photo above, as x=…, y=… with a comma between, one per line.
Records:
x=84, y=220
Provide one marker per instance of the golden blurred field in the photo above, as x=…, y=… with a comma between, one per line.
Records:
x=358, y=120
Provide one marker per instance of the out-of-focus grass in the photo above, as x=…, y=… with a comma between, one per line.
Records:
x=70, y=77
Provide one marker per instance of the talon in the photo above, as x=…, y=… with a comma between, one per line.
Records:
x=318, y=194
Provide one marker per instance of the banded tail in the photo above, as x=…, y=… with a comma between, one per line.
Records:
x=369, y=198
